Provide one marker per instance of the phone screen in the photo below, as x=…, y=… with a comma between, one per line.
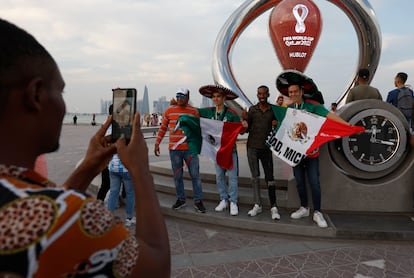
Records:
x=124, y=106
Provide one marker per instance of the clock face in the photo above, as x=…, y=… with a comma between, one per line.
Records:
x=380, y=146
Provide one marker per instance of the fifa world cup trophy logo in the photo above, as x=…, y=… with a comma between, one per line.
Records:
x=294, y=27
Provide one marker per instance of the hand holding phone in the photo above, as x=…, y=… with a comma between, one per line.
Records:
x=124, y=107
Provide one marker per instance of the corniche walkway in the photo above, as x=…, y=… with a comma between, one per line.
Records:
x=203, y=250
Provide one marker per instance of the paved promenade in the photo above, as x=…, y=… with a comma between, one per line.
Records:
x=200, y=250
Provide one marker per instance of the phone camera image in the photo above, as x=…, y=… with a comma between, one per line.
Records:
x=124, y=107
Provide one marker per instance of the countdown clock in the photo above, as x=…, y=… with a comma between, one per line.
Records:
x=381, y=145
x=379, y=150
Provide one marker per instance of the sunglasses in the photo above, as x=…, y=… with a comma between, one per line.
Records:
x=180, y=96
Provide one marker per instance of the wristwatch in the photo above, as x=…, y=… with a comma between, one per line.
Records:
x=379, y=150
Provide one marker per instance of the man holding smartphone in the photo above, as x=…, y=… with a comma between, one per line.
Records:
x=179, y=152
x=60, y=231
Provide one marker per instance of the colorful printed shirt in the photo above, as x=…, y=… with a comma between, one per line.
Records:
x=169, y=121
x=49, y=231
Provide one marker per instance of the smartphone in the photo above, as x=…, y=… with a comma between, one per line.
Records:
x=124, y=107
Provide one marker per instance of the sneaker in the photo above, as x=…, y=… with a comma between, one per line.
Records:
x=275, y=213
x=179, y=204
x=130, y=221
x=318, y=218
x=301, y=212
x=255, y=210
x=199, y=207
x=221, y=206
x=234, y=210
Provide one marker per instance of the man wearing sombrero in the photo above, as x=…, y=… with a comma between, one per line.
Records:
x=305, y=95
x=218, y=93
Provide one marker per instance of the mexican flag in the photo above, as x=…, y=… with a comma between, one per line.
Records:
x=211, y=138
x=299, y=132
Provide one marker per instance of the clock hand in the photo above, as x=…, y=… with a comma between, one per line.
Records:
x=383, y=142
x=373, y=134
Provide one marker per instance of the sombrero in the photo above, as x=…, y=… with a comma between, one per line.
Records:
x=208, y=91
x=294, y=77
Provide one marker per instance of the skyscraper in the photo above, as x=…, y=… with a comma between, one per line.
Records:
x=145, y=102
x=105, y=106
x=160, y=105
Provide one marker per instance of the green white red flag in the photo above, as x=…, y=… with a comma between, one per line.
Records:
x=300, y=132
x=211, y=138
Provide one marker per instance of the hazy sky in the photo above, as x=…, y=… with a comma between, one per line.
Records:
x=164, y=44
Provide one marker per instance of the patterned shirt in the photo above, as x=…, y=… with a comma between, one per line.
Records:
x=115, y=165
x=169, y=121
x=49, y=231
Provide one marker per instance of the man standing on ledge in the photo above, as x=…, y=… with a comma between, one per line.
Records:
x=308, y=168
x=260, y=121
x=219, y=94
x=179, y=151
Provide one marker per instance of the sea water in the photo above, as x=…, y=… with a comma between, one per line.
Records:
x=85, y=118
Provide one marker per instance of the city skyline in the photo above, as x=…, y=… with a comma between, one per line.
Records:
x=167, y=45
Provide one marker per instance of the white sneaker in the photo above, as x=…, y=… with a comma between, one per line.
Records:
x=301, y=212
x=221, y=206
x=275, y=213
x=234, y=210
x=130, y=221
x=318, y=218
x=255, y=210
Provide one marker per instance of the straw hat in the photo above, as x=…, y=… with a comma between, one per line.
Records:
x=208, y=91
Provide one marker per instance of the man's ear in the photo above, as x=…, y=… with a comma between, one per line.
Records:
x=34, y=93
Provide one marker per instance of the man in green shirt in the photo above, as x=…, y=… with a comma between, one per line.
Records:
x=221, y=112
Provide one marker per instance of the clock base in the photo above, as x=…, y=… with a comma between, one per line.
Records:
x=340, y=192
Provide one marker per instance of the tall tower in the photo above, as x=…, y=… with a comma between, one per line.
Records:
x=145, y=102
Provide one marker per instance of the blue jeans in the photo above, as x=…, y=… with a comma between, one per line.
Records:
x=232, y=192
x=116, y=179
x=177, y=163
x=308, y=167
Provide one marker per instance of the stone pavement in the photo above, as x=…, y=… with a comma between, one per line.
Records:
x=206, y=250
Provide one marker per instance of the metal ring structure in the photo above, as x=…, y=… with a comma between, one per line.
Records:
x=359, y=12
